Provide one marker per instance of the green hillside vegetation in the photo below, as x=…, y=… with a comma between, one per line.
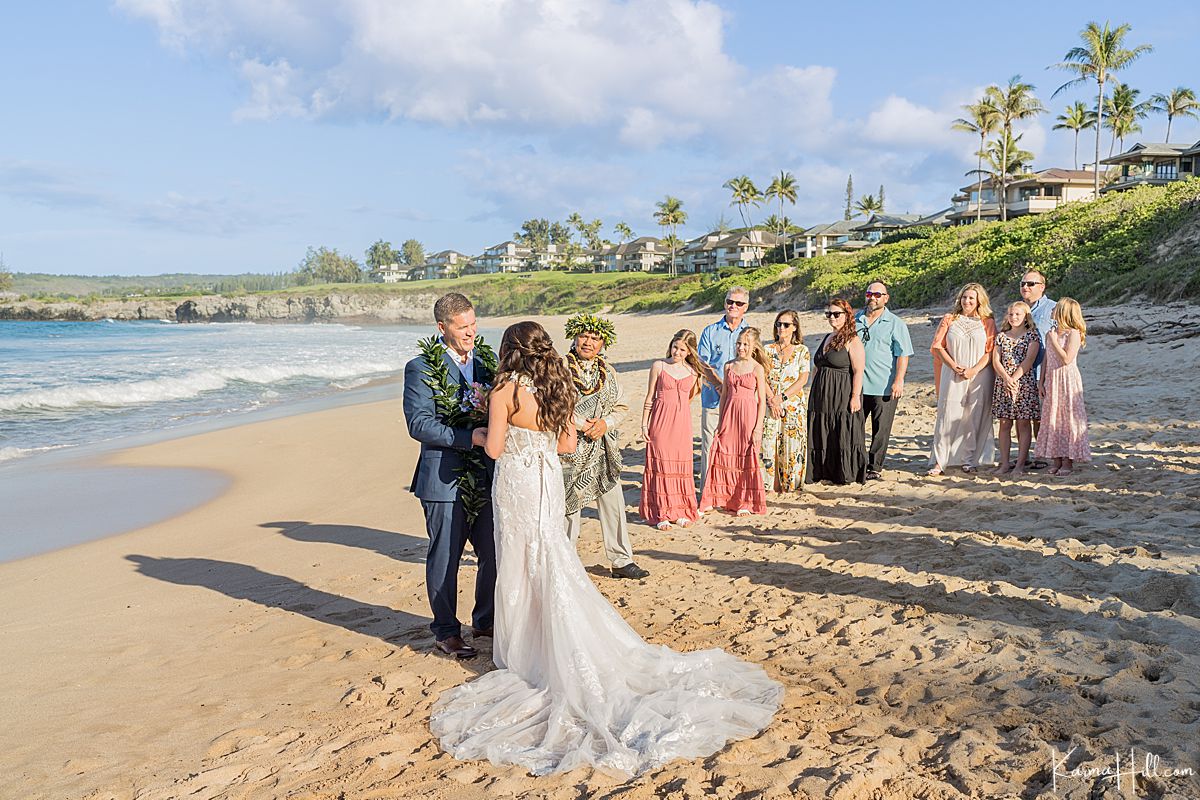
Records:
x=1100, y=252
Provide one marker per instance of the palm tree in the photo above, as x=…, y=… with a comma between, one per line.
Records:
x=1124, y=111
x=783, y=188
x=1014, y=102
x=867, y=205
x=721, y=226
x=745, y=194
x=672, y=243
x=983, y=119
x=1103, y=53
x=1181, y=102
x=624, y=232
x=670, y=214
x=994, y=155
x=1077, y=117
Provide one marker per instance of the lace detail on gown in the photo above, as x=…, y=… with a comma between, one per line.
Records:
x=575, y=685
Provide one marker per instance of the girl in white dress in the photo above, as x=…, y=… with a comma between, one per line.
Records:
x=575, y=685
x=962, y=354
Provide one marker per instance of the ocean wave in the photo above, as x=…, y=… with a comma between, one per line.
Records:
x=13, y=453
x=184, y=386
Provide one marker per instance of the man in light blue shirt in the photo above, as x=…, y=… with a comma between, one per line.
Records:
x=887, y=347
x=716, y=349
x=1041, y=308
x=1033, y=292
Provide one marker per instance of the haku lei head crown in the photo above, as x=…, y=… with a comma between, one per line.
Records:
x=590, y=323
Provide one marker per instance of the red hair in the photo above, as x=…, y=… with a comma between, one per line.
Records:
x=847, y=331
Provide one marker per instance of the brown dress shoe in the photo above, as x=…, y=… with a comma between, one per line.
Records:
x=477, y=632
x=457, y=648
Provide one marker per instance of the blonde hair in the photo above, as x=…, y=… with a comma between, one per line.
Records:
x=985, y=304
x=1068, y=314
x=1027, y=324
x=692, y=359
x=757, y=352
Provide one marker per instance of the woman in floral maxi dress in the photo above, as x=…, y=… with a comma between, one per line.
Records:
x=785, y=437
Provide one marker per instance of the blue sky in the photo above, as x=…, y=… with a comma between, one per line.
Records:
x=149, y=136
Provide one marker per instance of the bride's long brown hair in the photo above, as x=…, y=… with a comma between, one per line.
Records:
x=526, y=349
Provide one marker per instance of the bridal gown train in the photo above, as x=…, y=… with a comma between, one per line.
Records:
x=574, y=684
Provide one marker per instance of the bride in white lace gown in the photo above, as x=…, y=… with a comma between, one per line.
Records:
x=574, y=684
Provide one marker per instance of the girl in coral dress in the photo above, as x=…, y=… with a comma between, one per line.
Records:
x=734, y=479
x=1063, y=436
x=669, y=484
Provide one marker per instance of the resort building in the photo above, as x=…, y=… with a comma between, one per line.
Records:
x=1036, y=193
x=879, y=225
x=505, y=257
x=389, y=273
x=821, y=239
x=713, y=251
x=643, y=254
x=453, y=260
x=1153, y=165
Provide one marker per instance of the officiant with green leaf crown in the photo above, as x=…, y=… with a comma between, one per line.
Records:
x=592, y=474
x=444, y=391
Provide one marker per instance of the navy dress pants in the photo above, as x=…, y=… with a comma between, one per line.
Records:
x=449, y=533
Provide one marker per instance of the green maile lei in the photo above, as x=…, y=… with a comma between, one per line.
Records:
x=455, y=411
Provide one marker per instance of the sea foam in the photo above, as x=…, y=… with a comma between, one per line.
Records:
x=187, y=385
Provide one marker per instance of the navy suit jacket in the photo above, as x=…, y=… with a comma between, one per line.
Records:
x=442, y=447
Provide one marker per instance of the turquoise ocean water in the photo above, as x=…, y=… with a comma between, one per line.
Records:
x=70, y=384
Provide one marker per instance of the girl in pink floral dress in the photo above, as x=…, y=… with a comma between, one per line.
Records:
x=1063, y=436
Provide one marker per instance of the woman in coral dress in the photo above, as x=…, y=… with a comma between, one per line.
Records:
x=669, y=484
x=734, y=481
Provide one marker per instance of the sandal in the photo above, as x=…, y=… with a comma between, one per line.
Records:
x=683, y=522
x=665, y=525
x=935, y=471
x=968, y=469
x=744, y=512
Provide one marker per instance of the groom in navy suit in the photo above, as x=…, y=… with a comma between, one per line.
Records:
x=435, y=483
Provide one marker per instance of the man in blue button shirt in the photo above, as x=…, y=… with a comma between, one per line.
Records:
x=1041, y=308
x=716, y=348
x=887, y=347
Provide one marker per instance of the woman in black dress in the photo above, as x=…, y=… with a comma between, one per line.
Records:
x=837, y=449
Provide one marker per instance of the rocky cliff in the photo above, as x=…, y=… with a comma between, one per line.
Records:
x=368, y=307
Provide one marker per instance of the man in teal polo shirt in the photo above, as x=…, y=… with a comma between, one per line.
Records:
x=888, y=347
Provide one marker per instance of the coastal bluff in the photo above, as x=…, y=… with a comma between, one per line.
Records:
x=335, y=306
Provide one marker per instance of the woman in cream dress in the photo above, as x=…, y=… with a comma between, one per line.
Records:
x=962, y=352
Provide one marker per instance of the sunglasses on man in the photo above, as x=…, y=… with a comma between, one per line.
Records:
x=1027, y=284
x=738, y=303
x=872, y=295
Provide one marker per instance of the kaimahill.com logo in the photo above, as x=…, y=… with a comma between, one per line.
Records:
x=1123, y=772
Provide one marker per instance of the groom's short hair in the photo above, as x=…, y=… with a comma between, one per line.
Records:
x=450, y=306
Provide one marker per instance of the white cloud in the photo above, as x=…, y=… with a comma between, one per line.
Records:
x=647, y=72
x=903, y=123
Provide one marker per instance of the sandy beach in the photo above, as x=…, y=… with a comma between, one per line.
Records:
x=937, y=637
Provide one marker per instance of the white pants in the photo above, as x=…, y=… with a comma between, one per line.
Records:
x=613, y=527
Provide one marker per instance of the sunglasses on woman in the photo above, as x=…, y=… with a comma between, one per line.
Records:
x=784, y=325
x=833, y=314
